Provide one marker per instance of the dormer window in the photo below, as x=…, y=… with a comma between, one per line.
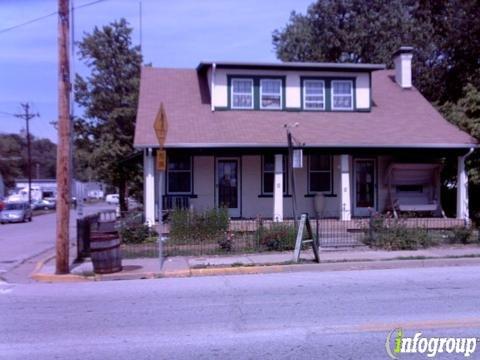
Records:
x=342, y=95
x=314, y=95
x=242, y=94
x=271, y=94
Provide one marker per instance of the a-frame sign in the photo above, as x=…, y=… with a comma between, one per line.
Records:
x=309, y=239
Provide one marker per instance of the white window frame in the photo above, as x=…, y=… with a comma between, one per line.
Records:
x=190, y=171
x=274, y=94
x=332, y=95
x=304, y=100
x=329, y=171
x=232, y=93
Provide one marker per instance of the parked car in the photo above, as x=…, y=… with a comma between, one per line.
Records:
x=2, y=203
x=43, y=205
x=133, y=204
x=16, y=212
x=112, y=199
x=51, y=199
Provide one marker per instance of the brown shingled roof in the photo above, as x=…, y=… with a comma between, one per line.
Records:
x=399, y=118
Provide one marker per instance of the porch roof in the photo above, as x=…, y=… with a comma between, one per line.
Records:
x=399, y=118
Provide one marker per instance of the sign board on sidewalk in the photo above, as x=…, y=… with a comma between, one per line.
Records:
x=310, y=239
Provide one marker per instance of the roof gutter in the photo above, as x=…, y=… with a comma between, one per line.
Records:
x=328, y=146
x=212, y=87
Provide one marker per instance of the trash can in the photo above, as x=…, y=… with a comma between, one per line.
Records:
x=105, y=252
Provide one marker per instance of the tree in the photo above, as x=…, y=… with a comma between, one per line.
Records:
x=444, y=34
x=109, y=96
x=465, y=113
x=13, y=158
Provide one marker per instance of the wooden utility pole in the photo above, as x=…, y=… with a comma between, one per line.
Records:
x=27, y=115
x=63, y=148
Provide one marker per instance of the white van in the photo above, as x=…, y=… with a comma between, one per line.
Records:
x=112, y=199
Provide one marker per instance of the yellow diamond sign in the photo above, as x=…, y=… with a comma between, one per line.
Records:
x=161, y=126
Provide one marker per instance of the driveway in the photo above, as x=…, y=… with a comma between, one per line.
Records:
x=22, y=241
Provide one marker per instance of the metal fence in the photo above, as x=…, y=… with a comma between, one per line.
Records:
x=243, y=236
x=257, y=235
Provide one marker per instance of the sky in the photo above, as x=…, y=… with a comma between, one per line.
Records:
x=178, y=33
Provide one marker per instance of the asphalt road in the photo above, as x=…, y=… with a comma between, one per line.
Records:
x=309, y=315
x=22, y=241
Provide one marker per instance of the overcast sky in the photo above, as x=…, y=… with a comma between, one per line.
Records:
x=176, y=33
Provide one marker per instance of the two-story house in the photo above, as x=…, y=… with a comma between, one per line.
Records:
x=369, y=140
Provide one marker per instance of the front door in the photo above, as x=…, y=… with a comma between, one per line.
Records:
x=228, y=185
x=365, y=186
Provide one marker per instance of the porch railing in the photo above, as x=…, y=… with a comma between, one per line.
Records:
x=171, y=202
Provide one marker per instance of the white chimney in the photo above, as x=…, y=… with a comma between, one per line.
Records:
x=402, y=60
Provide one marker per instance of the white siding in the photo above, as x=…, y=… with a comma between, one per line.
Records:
x=382, y=188
x=203, y=182
x=252, y=204
x=292, y=91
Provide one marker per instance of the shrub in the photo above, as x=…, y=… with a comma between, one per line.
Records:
x=461, y=235
x=226, y=242
x=138, y=234
x=277, y=238
x=393, y=234
x=132, y=230
x=189, y=226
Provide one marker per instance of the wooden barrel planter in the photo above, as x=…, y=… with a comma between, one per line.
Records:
x=105, y=252
x=106, y=226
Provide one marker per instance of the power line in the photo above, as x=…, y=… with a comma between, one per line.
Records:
x=89, y=4
x=46, y=16
x=6, y=113
x=28, y=22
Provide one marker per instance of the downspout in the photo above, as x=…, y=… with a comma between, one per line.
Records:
x=468, y=154
x=212, y=87
x=464, y=158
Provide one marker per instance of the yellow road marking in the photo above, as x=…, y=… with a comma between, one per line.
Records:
x=422, y=324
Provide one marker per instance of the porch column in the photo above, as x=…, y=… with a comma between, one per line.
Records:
x=462, y=190
x=345, y=198
x=278, y=189
x=149, y=186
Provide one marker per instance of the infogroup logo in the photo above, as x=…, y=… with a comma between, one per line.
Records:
x=397, y=343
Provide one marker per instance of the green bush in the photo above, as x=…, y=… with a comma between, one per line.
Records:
x=393, y=234
x=277, y=238
x=138, y=234
x=461, y=235
x=191, y=227
x=226, y=242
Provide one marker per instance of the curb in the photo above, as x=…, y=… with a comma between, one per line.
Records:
x=258, y=269
x=336, y=266
x=50, y=278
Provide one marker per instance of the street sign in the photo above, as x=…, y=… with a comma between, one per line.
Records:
x=161, y=160
x=161, y=126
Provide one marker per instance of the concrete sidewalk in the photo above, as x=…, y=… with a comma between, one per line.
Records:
x=331, y=260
